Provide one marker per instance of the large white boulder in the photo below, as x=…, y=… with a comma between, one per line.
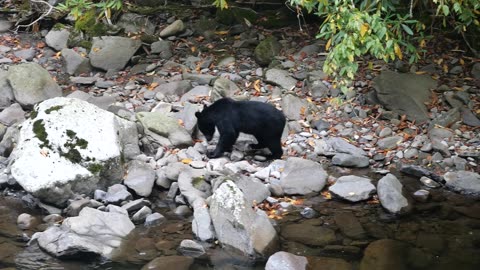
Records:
x=93, y=231
x=71, y=146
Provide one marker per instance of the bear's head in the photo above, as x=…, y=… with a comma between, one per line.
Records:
x=205, y=125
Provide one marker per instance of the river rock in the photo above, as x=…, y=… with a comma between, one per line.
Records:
x=163, y=48
x=389, y=143
x=112, y=53
x=389, y=191
x=463, y=181
x=286, y=261
x=405, y=93
x=202, y=226
x=166, y=127
x=339, y=145
x=352, y=188
x=281, y=78
x=348, y=160
x=238, y=226
x=309, y=234
x=191, y=248
x=140, y=178
x=26, y=221
x=169, y=262
x=223, y=87
x=302, y=176
x=39, y=86
x=70, y=146
x=117, y=193
x=93, y=231
x=136, y=23
x=11, y=115
x=385, y=254
x=266, y=50
x=178, y=88
x=173, y=29
x=197, y=93
x=294, y=107
x=349, y=225
x=6, y=92
x=57, y=38
x=75, y=63
x=25, y=54
x=154, y=219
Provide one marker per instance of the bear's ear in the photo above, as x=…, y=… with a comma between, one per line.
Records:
x=198, y=114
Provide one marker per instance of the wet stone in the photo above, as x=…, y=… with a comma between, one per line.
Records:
x=309, y=234
x=349, y=225
x=352, y=188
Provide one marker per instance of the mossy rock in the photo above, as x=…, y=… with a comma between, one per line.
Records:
x=203, y=25
x=149, y=39
x=235, y=15
x=266, y=50
x=89, y=25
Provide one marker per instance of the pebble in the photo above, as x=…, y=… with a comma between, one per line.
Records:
x=429, y=182
x=308, y=212
x=259, y=158
x=421, y=195
x=197, y=164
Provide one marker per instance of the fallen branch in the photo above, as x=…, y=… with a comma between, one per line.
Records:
x=50, y=8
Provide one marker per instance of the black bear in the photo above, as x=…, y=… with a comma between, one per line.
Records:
x=231, y=117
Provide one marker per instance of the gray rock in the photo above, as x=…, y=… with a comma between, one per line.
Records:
x=141, y=215
x=321, y=125
x=83, y=80
x=475, y=70
x=115, y=209
x=178, y=88
x=26, y=54
x=140, y=178
x=223, y=87
x=117, y=194
x=135, y=205
x=5, y=26
x=92, y=231
x=411, y=153
x=293, y=107
x=65, y=157
x=75, y=63
x=302, y=176
x=281, y=78
x=166, y=127
x=154, y=219
x=226, y=61
x=190, y=183
x=348, y=160
x=182, y=210
x=405, y=93
x=238, y=226
x=339, y=145
x=309, y=234
x=199, y=78
x=202, y=226
x=26, y=221
x=57, y=39
x=286, y=261
x=389, y=191
x=266, y=50
x=386, y=131
x=389, y=143
x=173, y=170
x=163, y=48
x=6, y=92
x=112, y=53
x=441, y=147
x=463, y=181
x=352, y=188
x=429, y=182
x=135, y=23
x=253, y=190
x=470, y=119
x=173, y=29
x=11, y=115
x=169, y=262
x=187, y=115
x=421, y=195
x=39, y=86
x=197, y=93
x=191, y=248
x=75, y=207
x=349, y=225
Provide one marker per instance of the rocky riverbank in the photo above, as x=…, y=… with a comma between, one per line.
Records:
x=100, y=155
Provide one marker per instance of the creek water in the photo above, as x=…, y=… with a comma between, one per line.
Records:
x=441, y=233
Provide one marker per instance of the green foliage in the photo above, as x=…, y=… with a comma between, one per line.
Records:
x=77, y=8
x=221, y=4
x=467, y=12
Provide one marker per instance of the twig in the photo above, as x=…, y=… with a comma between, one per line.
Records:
x=50, y=8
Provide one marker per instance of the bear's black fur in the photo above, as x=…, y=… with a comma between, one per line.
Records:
x=231, y=117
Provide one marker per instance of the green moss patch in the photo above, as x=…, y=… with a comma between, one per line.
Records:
x=95, y=168
x=40, y=132
x=52, y=109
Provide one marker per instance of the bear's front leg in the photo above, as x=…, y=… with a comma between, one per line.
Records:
x=228, y=136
